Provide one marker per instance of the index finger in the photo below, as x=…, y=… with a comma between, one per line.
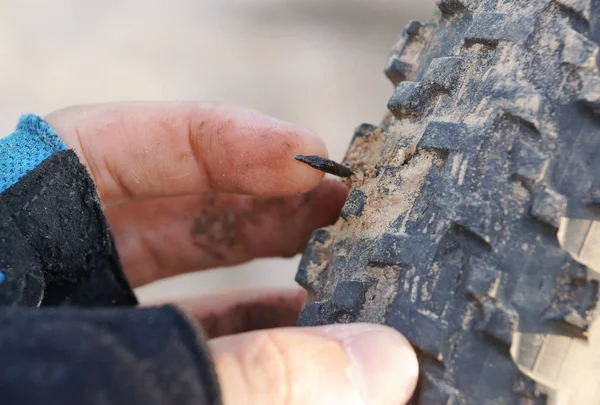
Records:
x=156, y=149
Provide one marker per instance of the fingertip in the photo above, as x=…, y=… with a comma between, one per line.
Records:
x=305, y=177
x=294, y=177
x=385, y=365
x=269, y=147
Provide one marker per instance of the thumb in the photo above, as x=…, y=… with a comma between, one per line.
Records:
x=335, y=364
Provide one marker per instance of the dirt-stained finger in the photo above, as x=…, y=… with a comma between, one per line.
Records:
x=158, y=149
x=166, y=237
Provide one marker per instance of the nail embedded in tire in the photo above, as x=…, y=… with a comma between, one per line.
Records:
x=325, y=165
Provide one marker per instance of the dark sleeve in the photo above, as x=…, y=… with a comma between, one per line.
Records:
x=119, y=356
x=70, y=331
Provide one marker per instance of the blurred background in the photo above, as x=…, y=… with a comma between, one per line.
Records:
x=317, y=63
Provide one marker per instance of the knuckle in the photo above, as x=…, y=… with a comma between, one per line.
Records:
x=277, y=370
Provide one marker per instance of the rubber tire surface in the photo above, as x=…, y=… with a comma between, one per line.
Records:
x=473, y=223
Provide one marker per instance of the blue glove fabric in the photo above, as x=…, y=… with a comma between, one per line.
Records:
x=22, y=151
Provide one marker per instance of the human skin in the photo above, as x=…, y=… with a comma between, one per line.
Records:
x=189, y=186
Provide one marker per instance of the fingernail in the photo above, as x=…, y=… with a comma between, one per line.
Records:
x=384, y=365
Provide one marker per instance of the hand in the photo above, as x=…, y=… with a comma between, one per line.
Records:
x=188, y=186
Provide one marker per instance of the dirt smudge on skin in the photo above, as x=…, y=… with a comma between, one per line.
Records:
x=287, y=146
x=225, y=127
x=214, y=229
x=228, y=222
